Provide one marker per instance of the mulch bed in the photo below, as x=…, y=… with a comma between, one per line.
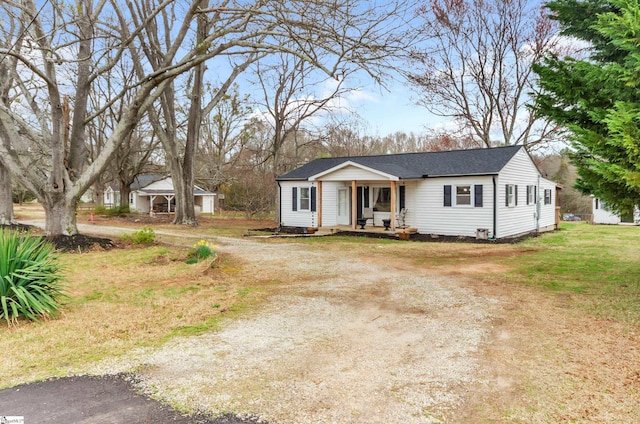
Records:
x=17, y=227
x=80, y=243
x=77, y=243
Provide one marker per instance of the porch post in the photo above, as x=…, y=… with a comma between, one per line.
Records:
x=392, y=215
x=151, y=199
x=354, y=200
x=319, y=204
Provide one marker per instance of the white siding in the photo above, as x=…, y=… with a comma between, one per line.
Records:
x=603, y=216
x=330, y=202
x=432, y=217
x=350, y=173
x=520, y=219
x=410, y=203
x=205, y=202
x=289, y=217
x=140, y=203
x=547, y=212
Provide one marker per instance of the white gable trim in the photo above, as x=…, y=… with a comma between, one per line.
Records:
x=355, y=165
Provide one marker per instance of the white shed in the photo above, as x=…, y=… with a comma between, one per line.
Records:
x=153, y=192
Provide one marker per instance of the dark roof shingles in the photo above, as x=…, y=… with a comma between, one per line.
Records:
x=418, y=165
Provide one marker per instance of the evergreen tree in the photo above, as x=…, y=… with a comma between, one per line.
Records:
x=596, y=98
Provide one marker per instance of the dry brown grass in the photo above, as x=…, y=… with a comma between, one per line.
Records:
x=119, y=301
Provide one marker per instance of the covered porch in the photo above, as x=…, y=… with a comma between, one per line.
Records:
x=366, y=199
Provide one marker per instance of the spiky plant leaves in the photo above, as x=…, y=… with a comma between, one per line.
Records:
x=30, y=281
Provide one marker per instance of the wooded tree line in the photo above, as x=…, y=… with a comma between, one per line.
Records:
x=102, y=91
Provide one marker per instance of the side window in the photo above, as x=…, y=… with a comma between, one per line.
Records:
x=547, y=197
x=511, y=195
x=532, y=195
x=305, y=199
x=463, y=195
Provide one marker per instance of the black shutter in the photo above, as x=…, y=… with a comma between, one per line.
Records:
x=515, y=189
x=294, y=199
x=447, y=195
x=402, y=197
x=477, y=191
x=506, y=195
x=366, y=196
x=313, y=199
x=528, y=193
x=597, y=202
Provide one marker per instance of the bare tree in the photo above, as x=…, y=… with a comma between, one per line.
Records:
x=224, y=135
x=476, y=67
x=63, y=52
x=291, y=96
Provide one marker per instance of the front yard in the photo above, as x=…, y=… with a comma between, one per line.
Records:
x=549, y=328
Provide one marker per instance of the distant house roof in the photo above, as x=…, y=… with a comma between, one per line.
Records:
x=418, y=165
x=144, y=180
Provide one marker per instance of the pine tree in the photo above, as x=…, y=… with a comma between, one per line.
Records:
x=596, y=98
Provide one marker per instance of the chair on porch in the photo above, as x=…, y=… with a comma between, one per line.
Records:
x=367, y=214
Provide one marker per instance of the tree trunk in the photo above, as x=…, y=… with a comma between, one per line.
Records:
x=98, y=192
x=125, y=191
x=60, y=216
x=185, y=210
x=6, y=201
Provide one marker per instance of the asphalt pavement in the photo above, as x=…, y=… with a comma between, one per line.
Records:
x=109, y=399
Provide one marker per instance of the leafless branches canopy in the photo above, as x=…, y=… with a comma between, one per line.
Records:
x=476, y=66
x=57, y=62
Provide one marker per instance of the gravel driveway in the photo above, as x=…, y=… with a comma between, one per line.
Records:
x=348, y=340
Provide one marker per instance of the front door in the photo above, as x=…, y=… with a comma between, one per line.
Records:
x=344, y=215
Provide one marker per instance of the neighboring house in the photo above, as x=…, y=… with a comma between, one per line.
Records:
x=493, y=193
x=154, y=192
x=602, y=215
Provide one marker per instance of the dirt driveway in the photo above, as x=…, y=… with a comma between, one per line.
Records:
x=347, y=338
x=346, y=341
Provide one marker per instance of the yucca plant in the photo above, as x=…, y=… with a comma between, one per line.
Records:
x=30, y=283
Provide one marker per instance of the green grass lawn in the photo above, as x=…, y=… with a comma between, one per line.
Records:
x=599, y=265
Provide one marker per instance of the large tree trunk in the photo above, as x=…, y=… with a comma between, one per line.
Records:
x=60, y=215
x=185, y=208
x=125, y=191
x=6, y=201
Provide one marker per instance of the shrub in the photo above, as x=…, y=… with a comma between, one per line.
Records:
x=112, y=212
x=29, y=277
x=202, y=250
x=144, y=236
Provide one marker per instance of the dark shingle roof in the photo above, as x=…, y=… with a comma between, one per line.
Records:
x=418, y=165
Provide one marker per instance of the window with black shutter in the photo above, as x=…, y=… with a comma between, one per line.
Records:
x=477, y=195
x=313, y=199
x=447, y=195
x=294, y=199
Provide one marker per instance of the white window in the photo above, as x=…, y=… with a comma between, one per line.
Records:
x=511, y=195
x=532, y=192
x=305, y=199
x=547, y=196
x=463, y=195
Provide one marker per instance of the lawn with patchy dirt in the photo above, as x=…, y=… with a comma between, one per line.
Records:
x=341, y=329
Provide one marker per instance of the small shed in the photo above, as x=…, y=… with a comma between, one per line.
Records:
x=156, y=193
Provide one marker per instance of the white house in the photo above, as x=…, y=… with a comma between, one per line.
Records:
x=153, y=192
x=493, y=193
x=602, y=215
